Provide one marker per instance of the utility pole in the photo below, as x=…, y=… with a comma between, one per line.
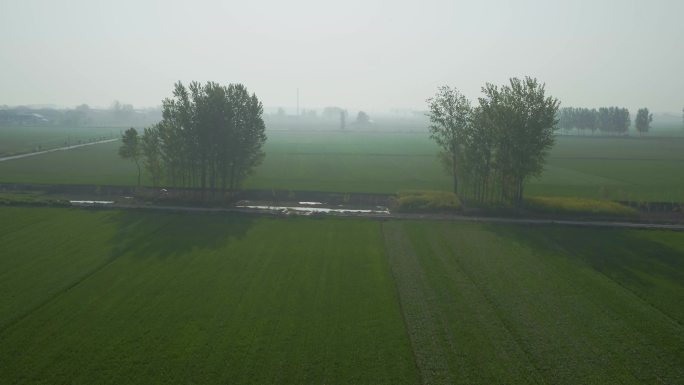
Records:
x=297, y=101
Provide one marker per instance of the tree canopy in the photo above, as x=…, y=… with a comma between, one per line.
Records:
x=643, y=120
x=450, y=117
x=498, y=145
x=522, y=119
x=608, y=120
x=362, y=118
x=210, y=137
x=130, y=148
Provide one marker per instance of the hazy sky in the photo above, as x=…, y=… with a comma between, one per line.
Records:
x=353, y=53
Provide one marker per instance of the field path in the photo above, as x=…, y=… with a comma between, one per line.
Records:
x=432, y=217
x=455, y=330
x=420, y=318
x=5, y=158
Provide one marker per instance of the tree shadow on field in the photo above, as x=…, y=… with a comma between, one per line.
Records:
x=631, y=258
x=147, y=234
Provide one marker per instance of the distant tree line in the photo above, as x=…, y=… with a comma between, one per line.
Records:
x=329, y=116
x=210, y=137
x=492, y=149
x=607, y=120
x=81, y=116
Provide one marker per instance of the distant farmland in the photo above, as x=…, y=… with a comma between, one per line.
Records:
x=23, y=139
x=611, y=168
x=144, y=297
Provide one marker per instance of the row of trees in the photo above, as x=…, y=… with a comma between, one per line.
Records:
x=607, y=120
x=328, y=115
x=210, y=137
x=80, y=116
x=493, y=148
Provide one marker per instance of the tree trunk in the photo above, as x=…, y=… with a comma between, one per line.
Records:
x=232, y=177
x=137, y=163
x=519, y=191
x=453, y=170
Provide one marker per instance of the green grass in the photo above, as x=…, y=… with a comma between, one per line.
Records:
x=126, y=297
x=560, y=305
x=578, y=206
x=107, y=296
x=598, y=168
x=44, y=251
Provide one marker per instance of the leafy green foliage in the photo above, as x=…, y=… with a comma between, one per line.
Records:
x=643, y=120
x=450, y=119
x=579, y=206
x=427, y=201
x=210, y=137
x=521, y=119
x=131, y=148
x=151, y=149
x=581, y=119
x=613, y=120
x=130, y=144
x=32, y=199
x=609, y=120
x=499, y=144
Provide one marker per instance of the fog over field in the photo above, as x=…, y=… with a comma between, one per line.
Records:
x=370, y=55
x=350, y=192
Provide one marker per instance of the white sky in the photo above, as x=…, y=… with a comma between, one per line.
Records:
x=354, y=53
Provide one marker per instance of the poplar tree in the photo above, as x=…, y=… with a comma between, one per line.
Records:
x=450, y=116
x=523, y=120
x=643, y=120
x=130, y=148
x=495, y=147
x=210, y=137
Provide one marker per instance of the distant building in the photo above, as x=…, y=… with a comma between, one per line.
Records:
x=21, y=118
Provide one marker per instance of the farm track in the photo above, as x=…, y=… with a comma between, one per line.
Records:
x=20, y=156
x=418, y=314
x=433, y=217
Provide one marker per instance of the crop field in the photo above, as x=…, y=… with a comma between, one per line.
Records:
x=505, y=304
x=606, y=168
x=144, y=297
x=23, y=139
x=114, y=297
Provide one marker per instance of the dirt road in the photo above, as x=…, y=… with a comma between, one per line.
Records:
x=2, y=159
x=433, y=217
